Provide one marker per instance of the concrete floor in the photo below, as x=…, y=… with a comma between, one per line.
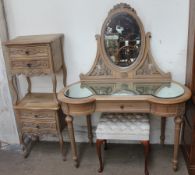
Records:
x=119, y=159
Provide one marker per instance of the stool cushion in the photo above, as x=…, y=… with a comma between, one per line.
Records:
x=123, y=126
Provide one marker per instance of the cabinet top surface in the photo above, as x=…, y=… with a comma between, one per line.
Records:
x=38, y=101
x=33, y=39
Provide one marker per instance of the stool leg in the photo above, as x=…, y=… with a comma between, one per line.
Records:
x=146, y=153
x=98, y=148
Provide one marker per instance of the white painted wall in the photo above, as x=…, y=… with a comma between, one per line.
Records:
x=81, y=20
x=8, y=130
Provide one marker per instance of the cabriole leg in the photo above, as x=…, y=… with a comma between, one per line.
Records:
x=27, y=143
x=98, y=148
x=62, y=145
x=61, y=140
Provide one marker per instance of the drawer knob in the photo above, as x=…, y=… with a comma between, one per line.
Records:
x=27, y=52
x=36, y=116
x=122, y=107
x=29, y=65
x=37, y=126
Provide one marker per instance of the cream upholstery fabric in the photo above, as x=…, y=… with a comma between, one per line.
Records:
x=122, y=126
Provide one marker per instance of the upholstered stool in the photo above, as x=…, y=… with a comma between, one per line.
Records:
x=123, y=126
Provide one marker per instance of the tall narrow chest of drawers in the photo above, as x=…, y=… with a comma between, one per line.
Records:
x=37, y=114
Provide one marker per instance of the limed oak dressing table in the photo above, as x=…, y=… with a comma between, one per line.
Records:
x=125, y=78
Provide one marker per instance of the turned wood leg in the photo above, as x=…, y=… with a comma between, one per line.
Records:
x=178, y=122
x=146, y=153
x=163, y=125
x=69, y=120
x=89, y=128
x=98, y=148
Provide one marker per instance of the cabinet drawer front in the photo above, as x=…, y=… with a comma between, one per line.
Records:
x=123, y=107
x=27, y=115
x=28, y=51
x=38, y=131
x=30, y=64
x=38, y=125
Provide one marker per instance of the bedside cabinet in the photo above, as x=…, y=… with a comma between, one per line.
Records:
x=37, y=114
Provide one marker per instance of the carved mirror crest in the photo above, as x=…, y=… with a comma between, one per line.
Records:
x=124, y=50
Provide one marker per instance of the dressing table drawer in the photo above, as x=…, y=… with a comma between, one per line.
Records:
x=123, y=107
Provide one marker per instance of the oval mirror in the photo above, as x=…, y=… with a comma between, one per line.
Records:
x=122, y=39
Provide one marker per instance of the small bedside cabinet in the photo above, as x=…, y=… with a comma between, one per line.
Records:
x=37, y=114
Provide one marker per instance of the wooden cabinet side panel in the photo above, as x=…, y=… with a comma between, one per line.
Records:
x=56, y=54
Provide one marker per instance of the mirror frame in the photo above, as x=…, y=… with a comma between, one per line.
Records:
x=120, y=9
x=144, y=69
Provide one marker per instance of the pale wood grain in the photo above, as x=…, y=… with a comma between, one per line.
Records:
x=103, y=70
x=37, y=113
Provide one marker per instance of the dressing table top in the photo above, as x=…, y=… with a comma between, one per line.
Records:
x=161, y=93
x=161, y=90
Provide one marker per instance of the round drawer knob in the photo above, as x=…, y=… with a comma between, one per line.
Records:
x=35, y=116
x=37, y=126
x=27, y=52
x=122, y=106
x=29, y=65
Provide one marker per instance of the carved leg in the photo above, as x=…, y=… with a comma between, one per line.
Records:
x=25, y=141
x=178, y=122
x=13, y=84
x=62, y=145
x=163, y=125
x=89, y=128
x=27, y=144
x=61, y=141
x=37, y=139
x=146, y=153
x=29, y=84
x=63, y=62
x=98, y=148
x=69, y=120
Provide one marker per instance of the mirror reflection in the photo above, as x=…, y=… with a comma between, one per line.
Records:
x=122, y=39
